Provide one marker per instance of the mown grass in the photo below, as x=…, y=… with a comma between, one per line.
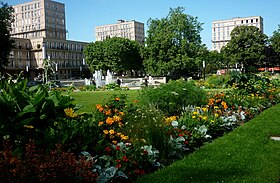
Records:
x=88, y=99
x=245, y=155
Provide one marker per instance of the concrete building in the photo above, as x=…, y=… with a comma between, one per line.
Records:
x=221, y=29
x=132, y=30
x=39, y=31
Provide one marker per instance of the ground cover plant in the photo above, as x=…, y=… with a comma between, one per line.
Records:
x=122, y=138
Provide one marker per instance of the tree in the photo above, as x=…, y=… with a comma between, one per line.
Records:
x=6, y=44
x=275, y=44
x=247, y=47
x=116, y=54
x=173, y=44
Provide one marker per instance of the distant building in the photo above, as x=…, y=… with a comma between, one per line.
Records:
x=132, y=30
x=39, y=31
x=221, y=29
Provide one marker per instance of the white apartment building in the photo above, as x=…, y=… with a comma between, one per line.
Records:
x=221, y=29
x=132, y=30
x=39, y=31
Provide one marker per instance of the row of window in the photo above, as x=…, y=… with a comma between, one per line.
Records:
x=28, y=7
x=115, y=27
x=65, y=46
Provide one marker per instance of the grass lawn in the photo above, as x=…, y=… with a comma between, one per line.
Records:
x=88, y=99
x=245, y=155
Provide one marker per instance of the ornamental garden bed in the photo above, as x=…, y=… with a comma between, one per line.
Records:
x=46, y=138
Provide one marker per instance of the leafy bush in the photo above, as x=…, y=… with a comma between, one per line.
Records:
x=171, y=98
x=27, y=112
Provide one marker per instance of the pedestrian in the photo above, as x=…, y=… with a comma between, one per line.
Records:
x=118, y=81
x=146, y=82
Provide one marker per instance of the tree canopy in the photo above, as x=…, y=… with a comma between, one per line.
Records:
x=116, y=54
x=247, y=47
x=173, y=44
x=275, y=43
x=6, y=44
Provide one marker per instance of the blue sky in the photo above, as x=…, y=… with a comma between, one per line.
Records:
x=83, y=15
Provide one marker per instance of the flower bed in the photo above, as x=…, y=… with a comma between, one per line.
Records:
x=121, y=139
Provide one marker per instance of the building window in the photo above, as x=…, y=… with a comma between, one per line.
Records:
x=252, y=21
x=246, y=21
x=241, y=21
x=257, y=20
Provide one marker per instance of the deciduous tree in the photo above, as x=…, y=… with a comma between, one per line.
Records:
x=173, y=44
x=116, y=54
x=6, y=44
x=246, y=47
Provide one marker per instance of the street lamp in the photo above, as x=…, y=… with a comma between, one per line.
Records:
x=203, y=65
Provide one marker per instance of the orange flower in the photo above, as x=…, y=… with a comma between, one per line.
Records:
x=100, y=123
x=105, y=132
x=109, y=121
x=121, y=113
x=117, y=99
x=114, y=142
x=108, y=112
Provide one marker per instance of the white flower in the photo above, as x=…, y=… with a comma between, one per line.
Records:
x=179, y=139
x=174, y=123
x=183, y=127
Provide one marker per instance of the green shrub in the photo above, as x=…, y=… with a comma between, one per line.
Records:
x=171, y=98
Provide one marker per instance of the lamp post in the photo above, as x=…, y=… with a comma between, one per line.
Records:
x=56, y=74
x=203, y=65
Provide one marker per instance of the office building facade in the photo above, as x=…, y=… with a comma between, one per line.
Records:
x=39, y=31
x=132, y=30
x=221, y=29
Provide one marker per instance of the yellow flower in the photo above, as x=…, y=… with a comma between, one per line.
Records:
x=117, y=118
x=204, y=109
x=111, y=132
x=121, y=113
x=212, y=121
x=28, y=126
x=205, y=118
x=195, y=113
x=114, y=142
x=124, y=137
x=109, y=121
x=193, y=117
x=70, y=112
x=105, y=132
x=119, y=134
x=197, y=107
x=216, y=107
x=216, y=115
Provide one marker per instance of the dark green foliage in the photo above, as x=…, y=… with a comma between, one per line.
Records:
x=173, y=44
x=171, y=98
x=116, y=54
x=246, y=47
x=6, y=44
x=35, y=107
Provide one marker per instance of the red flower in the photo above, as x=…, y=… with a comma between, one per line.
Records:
x=108, y=149
x=118, y=148
x=181, y=135
x=118, y=160
x=125, y=159
x=186, y=142
x=118, y=165
x=145, y=152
